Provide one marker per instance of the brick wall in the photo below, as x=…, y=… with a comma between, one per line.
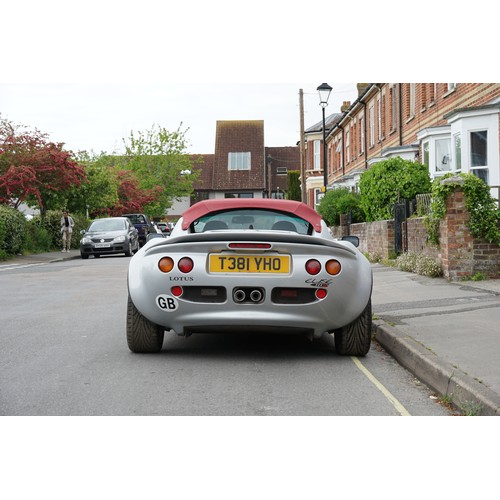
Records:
x=460, y=255
x=376, y=239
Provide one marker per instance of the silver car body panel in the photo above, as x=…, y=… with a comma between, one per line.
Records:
x=348, y=293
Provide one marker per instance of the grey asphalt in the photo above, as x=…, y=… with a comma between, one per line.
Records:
x=446, y=333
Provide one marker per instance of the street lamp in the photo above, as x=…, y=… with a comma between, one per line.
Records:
x=324, y=93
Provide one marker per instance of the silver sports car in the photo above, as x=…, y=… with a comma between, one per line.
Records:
x=250, y=264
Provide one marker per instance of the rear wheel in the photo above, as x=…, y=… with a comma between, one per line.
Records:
x=355, y=338
x=142, y=334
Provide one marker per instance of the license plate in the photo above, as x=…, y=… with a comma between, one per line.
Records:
x=102, y=245
x=266, y=264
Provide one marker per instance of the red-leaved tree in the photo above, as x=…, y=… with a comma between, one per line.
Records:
x=31, y=166
x=131, y=198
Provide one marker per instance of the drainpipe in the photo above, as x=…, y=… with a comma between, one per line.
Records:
x=365, y=146
x=342, y=156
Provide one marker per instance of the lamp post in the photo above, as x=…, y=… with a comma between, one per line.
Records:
x=324, y=93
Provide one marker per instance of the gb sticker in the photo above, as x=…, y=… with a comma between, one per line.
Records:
x=167, y=303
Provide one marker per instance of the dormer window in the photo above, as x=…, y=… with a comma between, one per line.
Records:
x=239, y=161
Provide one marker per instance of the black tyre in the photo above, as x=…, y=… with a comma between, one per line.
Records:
x=355, y=339
x=142, y=334
x=84, y=255
x=128, y=253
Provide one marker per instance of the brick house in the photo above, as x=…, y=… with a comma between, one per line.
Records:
x=242, y=167
x=450, y=127
x=314, y=157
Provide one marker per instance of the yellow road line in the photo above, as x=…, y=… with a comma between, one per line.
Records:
x=399, y=407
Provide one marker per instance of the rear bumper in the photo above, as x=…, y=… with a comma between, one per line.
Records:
x=115, y=248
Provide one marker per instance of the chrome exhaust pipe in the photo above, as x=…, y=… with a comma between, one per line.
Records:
x=239, y=295
x=255, y=295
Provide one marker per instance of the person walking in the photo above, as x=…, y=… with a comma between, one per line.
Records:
x=67, y=224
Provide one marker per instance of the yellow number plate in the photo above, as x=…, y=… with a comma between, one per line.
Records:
x=268, y=264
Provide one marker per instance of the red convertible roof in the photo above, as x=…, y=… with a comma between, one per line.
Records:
x=208, y=206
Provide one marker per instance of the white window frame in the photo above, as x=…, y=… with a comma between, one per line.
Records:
x=347, y=146
x=486, y=119
x=442, y=159
x=239, y=161
x=476, y=169
x=457, y=152
x=430, y=137
x=317, y=155
x=412, y=100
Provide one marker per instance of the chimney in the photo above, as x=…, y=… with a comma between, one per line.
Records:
x=361, y=88
x=345, y=106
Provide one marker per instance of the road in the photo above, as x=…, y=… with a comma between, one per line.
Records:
x=63, y=352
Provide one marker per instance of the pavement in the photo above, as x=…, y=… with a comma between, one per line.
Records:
x=447, y=334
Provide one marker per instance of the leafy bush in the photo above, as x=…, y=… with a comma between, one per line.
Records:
x=51, y=223
x=340, y=201
x=484, y=214
x=387, y=182
x=38, y=239
x=13, y=226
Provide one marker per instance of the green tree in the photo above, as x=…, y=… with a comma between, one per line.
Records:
x=387, y=182
x=159, y=160
x=337, y=202
x=293, y=192
x=100, y=190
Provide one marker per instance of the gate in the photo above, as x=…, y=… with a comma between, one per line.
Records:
x=401, y=211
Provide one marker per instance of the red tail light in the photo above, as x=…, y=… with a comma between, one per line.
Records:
x=313, y=266
x=260, y=246
x=185, y=265
x=321, y=293
x=176, y=291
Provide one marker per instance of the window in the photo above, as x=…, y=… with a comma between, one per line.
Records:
x=239, y=161
x=281, y=170
x=394, y=114
x=317, y=155
x=442, y=149
x=347, y=148
x=372, y=125
x=458, y=152
x=362, y=135
x=425, y=153
x=379, y=117
x=478, y=154
x=340, y=153
x=411, y=109
x=238, y=195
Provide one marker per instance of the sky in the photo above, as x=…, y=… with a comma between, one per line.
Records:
x=90, y=74
x=99, y=116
